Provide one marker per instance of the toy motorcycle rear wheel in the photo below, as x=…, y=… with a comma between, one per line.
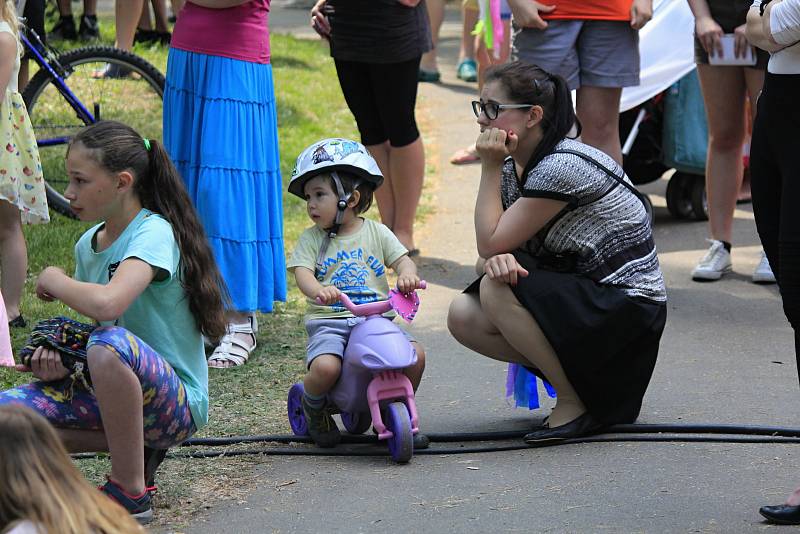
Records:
x=356, y=422
x=401, y=444
x=294, y=406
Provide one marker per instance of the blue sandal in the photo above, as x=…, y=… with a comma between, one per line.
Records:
x=467, y=70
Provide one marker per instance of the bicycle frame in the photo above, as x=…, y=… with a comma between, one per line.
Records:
x=82, y=113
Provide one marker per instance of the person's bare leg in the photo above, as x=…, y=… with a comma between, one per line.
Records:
x=598, y=110
x=435, y=16
x=64, y=8
x=384, y=195
x=90, y=7
x=119, y=397
x=794, y=498
x=754, y=81
x=177, y=5
x=160, y=15
x=469, y=17
x=75, y=440
x=522, y=332
x=127, y=13
x=322, y=375
x=407, y=171
x=24, y=74
x=468, y=323
x=145, y=22
x=13, y=258
x=723, y=93
x=414, y=373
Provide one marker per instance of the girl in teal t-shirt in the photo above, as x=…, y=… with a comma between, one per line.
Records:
x=147, y=276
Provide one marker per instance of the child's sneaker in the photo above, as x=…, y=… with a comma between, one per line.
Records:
x=89, y=29
x=714, y=264
x=321, y=426
x=137, y=505
x=64, y=30
x=763, y=273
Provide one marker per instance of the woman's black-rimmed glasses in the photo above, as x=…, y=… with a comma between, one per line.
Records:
x=493, y=109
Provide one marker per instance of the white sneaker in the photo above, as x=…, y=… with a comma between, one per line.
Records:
x=714, y=264
x=763, y=273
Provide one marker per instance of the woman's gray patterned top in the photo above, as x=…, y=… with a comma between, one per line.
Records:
x=604, y=229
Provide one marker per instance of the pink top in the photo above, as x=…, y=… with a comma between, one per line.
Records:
x=6, y=357
x=240, y=32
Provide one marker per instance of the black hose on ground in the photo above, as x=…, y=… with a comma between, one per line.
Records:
x=653, y=433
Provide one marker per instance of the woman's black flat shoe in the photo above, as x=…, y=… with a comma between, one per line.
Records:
x=17, y=322
x=585, y=425
x=783, y=514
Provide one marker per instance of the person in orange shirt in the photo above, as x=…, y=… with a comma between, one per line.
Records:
x=594, y=45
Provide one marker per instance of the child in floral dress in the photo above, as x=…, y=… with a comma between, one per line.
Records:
x=22, y=193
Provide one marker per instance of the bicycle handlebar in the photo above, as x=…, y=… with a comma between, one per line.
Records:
x=370, y=308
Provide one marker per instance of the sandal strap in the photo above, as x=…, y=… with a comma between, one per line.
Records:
x=241, y=328
x=232, y=349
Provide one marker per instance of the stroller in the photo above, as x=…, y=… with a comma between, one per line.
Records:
x=662, y=121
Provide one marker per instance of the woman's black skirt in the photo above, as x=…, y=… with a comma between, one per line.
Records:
x=607, y=342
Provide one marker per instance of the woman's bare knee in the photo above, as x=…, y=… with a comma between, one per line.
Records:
x=458, y=316
x=495, y=297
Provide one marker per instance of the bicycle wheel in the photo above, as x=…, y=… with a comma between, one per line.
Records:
x=135, y=99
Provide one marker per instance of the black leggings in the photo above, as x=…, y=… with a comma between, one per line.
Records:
x=381, y=97
x=775, y=171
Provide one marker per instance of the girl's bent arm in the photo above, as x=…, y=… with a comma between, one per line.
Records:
x=101, y=302
x=8, y=56
x=757, y=30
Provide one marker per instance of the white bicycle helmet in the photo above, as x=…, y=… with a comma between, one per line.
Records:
x=330, y=155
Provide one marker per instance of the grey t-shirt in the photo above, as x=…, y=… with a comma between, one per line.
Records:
x=604, y=228
x=378, y=31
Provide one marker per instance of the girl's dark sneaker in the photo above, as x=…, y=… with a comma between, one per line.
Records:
x=64, y=30
x=89, y=29
x=137, y=505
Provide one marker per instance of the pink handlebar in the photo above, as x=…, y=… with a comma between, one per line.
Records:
x=370, y=308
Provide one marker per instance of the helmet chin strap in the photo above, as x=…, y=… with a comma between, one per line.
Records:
x=341, y=205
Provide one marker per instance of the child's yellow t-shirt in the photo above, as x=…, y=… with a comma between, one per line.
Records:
x=355, y=263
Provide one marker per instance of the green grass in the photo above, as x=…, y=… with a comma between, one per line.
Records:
x=250, y=399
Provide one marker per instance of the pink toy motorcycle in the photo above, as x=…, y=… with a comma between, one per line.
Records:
x=372, y=389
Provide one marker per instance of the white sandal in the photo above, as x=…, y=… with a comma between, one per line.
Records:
x=231, y=349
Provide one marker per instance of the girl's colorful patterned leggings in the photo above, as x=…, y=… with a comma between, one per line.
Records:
x=167, y=419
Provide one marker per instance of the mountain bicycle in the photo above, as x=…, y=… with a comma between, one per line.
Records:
x=80, y=87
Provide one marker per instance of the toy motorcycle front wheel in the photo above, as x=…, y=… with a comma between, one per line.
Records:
x=294, y=406
x=401, y=444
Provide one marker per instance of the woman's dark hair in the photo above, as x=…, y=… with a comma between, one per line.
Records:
x=528, y=84
x=365, y=189
x=117, y=147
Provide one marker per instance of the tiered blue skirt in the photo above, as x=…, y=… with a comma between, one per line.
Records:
x=220, y=128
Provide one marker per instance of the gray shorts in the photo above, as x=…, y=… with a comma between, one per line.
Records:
x=596, y=53
x=329, y=336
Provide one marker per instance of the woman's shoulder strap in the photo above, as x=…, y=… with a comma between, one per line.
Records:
x=603, y=168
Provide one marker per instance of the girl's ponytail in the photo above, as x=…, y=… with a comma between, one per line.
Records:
x=201, y=278
x=117, y=147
